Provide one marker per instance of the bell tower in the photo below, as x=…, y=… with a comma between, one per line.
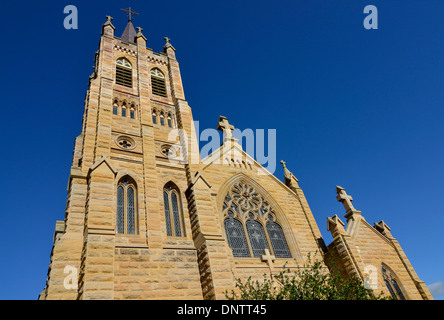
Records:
x=127, y=232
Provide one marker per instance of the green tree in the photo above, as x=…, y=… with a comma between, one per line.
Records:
x=313, y=281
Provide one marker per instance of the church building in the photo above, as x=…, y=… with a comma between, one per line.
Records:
x=138, y=225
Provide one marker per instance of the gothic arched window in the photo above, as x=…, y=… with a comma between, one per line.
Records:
x=246, y=212
x=277, y=240
x=133, y=112
x=115, y=107
x=162, y=119
x=124, y=73
x=158, y=82
x=126, y=206
x=392, y=284
x=257, y=237
x=236, y=237
x=154, y=115
x=173, y=211
x=170, y=121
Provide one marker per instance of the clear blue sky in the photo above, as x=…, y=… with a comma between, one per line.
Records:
x=358, y=108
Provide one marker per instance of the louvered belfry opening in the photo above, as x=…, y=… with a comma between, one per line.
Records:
x=124, y=73
x=158, y=83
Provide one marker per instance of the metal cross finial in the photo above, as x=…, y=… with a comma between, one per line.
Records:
x=130, y=13
x=225, y=126
x=345, y=199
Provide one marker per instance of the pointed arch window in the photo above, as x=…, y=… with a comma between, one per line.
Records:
x=158, y=83
x=277, y=240
x=236, y=237
x=162, y=119
x=154, y=115
x=124, y=73
x=392, y=284
x=173, y=211
x=126, y=206
x=170, y=121
x=115, y=107
x=257, y=237
x=257, y=220
x=132, y=111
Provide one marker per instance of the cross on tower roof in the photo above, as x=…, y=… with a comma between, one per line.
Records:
x=345, y=199
x=225, y=126
x=130, y=13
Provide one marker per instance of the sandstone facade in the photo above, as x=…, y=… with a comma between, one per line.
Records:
x=179, y=249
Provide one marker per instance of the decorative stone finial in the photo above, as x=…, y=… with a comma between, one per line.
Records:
x=140, y=34
x=108, y=23
x=382, y=228
x=167, y=45
x=290, y=180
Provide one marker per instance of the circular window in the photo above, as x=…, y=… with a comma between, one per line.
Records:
x=168, y=151
x=125, y=142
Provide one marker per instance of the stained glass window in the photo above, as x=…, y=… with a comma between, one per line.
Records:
x=390, y=289
x=277, y=239
x=392, y=284
x=176, y=217
x=236, y=238
x=120, y=210
x=257, y=237
x=126, y=206
x=173, y=211
x=130, y=210
x=245, y=209
x=166, y=203
x=397, y=289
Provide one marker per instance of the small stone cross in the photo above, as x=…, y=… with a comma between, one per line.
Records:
x=109, y=18
x=225, y=126
x=167, y=40
x=345, y=199
x=269, y=259
x=139, y=29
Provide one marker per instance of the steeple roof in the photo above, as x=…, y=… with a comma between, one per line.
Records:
x=129, y=33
